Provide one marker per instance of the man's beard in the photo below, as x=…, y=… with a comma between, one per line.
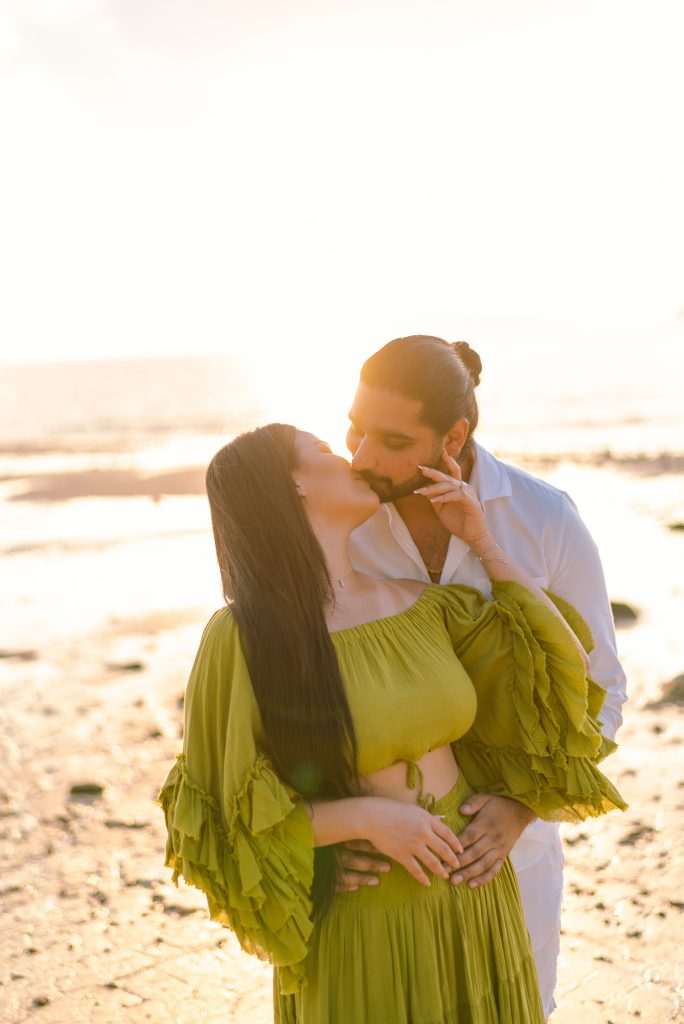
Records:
x=387, y=490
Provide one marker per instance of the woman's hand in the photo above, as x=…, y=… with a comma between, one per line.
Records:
x=411, y=836
x=456, y=503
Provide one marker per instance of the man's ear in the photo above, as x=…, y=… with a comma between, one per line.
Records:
x=457, y=437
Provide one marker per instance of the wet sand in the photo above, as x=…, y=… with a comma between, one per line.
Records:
x=92, y=929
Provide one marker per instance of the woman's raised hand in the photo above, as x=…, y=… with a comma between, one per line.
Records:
x=412, y=837
x=455, y=502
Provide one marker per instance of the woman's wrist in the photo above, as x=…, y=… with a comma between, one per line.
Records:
x=481, y=547
x=341, y=821
x=364, y=815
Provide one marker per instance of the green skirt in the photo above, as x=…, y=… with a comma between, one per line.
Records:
x=400, y=953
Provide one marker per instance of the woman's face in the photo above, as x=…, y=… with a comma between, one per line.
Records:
x=331, y=492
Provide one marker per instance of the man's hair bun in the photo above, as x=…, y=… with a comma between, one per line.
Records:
x=470, y=358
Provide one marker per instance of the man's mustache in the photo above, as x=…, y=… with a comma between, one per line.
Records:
x=373, y=480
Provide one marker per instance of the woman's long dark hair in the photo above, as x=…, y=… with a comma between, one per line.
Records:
x=439, y=374
x=274, y=572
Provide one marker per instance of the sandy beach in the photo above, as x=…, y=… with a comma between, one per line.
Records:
x=92, y=928
x=214, y=214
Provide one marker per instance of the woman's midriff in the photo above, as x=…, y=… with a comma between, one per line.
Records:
x=423, y=781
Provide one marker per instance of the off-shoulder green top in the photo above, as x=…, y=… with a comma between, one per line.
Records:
x=501, y=680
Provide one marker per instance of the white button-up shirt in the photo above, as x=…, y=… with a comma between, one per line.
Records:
x=539, y=526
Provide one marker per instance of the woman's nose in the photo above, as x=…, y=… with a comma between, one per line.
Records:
x=362, y=457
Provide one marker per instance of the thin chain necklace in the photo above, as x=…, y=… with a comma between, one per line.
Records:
x=434, y=572
x=339, y=581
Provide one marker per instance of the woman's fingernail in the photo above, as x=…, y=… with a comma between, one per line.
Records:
x=373, y=881
x=466, y=809
x=457, y=879
x=385, y=867
x=473, y=885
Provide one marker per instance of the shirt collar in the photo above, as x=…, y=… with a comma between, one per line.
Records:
x=489, y=477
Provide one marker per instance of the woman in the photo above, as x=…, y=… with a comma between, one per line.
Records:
x=325, y=705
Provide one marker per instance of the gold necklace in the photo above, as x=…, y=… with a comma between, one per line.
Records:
x=434, y=572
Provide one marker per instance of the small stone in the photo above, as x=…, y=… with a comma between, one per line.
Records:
x=41, y=1001
x=623, y=612
x=672, y=693
x=128, y=823
x=155, y=734
x=126, y=666
x=579, y=838
x=19, y=655
x=87, y=789
x=173, y=908
x=638, y=833
x=677, y=527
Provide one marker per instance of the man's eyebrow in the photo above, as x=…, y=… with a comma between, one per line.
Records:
x=395, y=434
x=386, y=432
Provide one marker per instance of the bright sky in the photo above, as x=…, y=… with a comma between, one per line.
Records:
x=312, y=179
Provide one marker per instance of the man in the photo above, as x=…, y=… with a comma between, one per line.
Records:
x=415, y=396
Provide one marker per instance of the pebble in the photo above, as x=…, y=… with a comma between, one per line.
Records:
x=87, y=789
x=672, y=693
x=623, y=612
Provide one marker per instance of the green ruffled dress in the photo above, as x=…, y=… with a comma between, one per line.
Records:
x=504, y=684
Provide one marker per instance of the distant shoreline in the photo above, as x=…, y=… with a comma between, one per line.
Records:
x=189, y=480
x=110, y=483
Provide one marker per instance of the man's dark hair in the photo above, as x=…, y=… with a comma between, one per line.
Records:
x=439, y=374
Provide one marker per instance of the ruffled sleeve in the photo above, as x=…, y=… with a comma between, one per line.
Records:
x=536, y=735
x=234, y=829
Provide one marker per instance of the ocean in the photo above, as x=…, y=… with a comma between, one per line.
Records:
x=104, y=524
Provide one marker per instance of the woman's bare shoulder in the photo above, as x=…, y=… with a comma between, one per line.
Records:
x=413, y=587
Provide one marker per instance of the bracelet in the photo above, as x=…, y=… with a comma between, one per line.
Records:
x=486, y=556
